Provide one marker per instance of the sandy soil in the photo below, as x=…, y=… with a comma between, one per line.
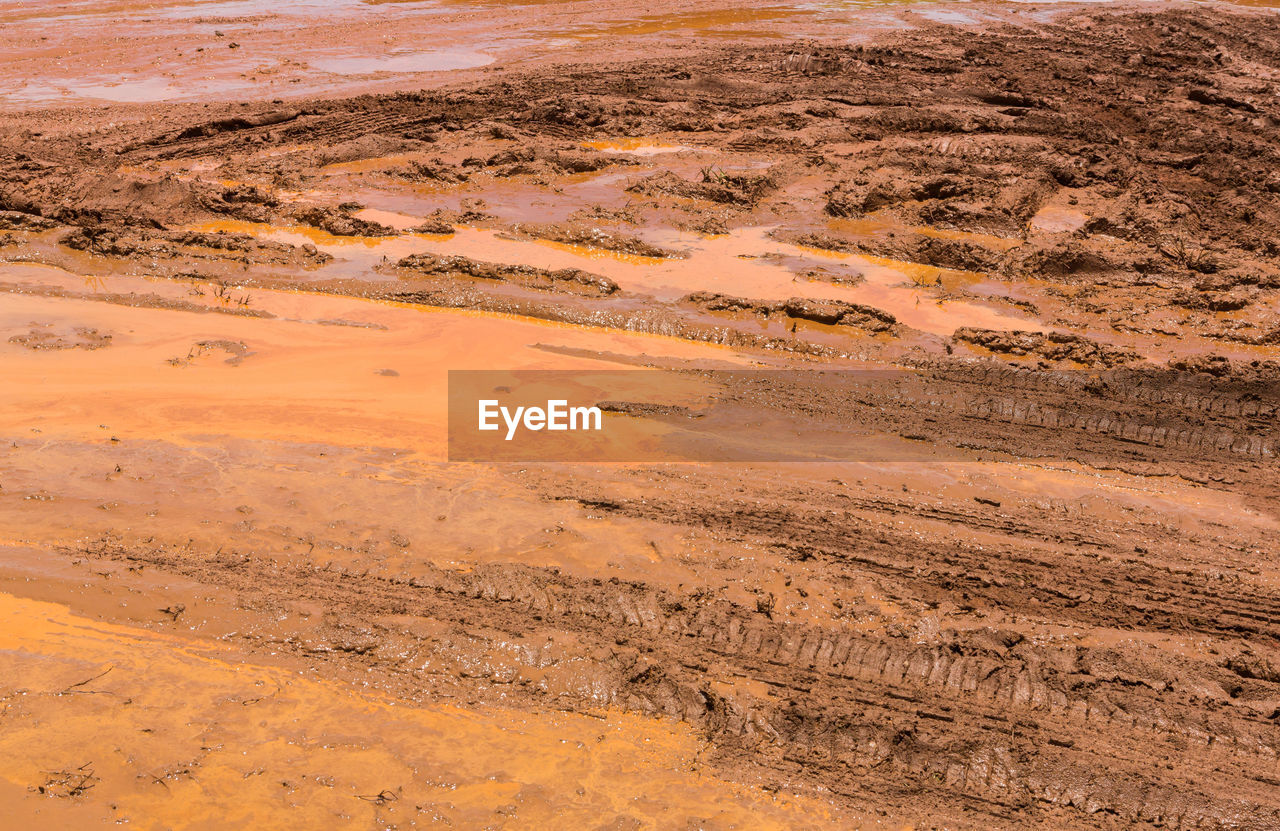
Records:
x=242, y=585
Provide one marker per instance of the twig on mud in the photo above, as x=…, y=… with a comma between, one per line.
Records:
x=1181, y=251
x=175, y=611
x=922, y=280
x=73, y=687
x=380, y=798
x=68, y=783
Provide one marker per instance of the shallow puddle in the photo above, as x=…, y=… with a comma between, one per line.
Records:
x=727, y=22
x=738, y=264
x=124, y=90
x=635, y=146
x=1054, y=219
x=437, y=60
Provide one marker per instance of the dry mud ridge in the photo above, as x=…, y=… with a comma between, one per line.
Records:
x=1014, y=651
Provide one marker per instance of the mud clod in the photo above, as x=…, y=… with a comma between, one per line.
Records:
x=340, y=223
x=570, y=280
x=1054, y=346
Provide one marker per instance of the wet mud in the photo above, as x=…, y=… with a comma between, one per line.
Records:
x=240, y=581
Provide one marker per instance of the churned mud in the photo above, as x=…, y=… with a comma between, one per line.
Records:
x=241, y=583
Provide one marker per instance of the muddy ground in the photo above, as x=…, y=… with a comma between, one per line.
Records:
x=241, y=580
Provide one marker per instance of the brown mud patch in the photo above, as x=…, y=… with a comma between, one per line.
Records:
x=80, y=338
x=570, y=280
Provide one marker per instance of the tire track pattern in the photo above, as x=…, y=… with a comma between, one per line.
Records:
x=978, y=719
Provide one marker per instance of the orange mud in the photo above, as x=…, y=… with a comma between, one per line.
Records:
x=199, y=50
x=182, y=733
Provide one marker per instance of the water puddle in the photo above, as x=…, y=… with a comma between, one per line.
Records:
x=131, y=91
x=1054, y=219
x=86, y=12
x=392, y=219
x=212, y=49
x=125, y=90
x=635, y=146
x=436, y=60
x=947, y=16
x=905, y=290
x=718, y=22
x=743, y=263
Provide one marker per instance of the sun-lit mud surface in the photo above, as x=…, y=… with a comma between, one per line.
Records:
x=241, y=583
x=636, y=146
x=345, y=371
x=181, y=732
x=744, y=262
x=208, y=49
